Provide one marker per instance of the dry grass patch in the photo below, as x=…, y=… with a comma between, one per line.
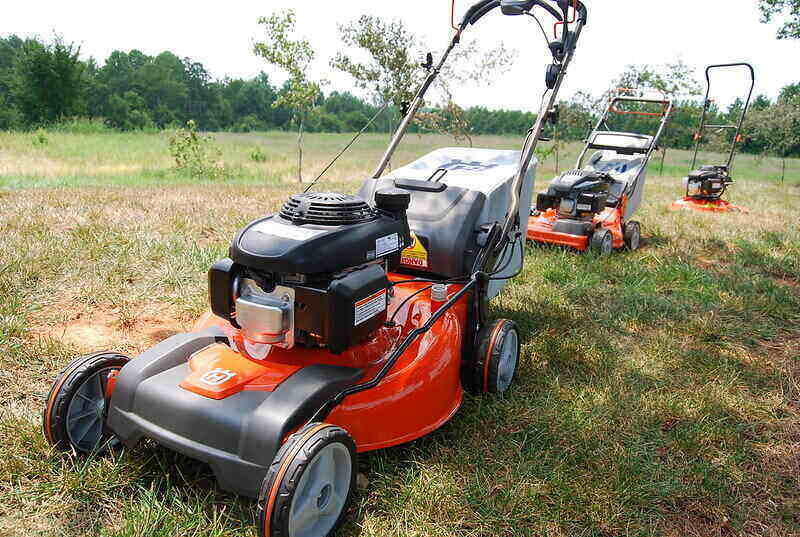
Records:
x=658, y=393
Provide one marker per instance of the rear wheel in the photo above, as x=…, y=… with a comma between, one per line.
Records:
x=75, y=415
x=602, y=242
x=633, y=235
x=309, y=485
x=495, y=367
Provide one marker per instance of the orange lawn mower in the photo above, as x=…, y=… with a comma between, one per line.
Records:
x=706, y=185
x=590, y=207
x=340, y=325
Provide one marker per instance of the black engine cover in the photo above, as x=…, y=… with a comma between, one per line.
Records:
x=712, y=181
x=320, y=233
x=577, y=193
x=346, y=312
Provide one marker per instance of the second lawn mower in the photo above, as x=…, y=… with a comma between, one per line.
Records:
x=706, y=185
x=590, y=207
x=341, y=324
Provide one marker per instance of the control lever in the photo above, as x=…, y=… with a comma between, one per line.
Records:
x=428, y=63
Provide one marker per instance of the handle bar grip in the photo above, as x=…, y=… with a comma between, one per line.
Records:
x=478, y=7
x=520, y=7
x=483, y=11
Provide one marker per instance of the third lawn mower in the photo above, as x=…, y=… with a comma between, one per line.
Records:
x=342, y=324
x=706, y=185
x=590, y=207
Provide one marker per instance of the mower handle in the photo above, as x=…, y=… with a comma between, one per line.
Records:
x=519, y=7
x=726, y=65
x=737, y=138
x=665, y=103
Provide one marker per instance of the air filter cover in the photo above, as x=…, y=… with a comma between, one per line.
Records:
x=327, y=209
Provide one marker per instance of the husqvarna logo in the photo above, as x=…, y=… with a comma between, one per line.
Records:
x=217, y=376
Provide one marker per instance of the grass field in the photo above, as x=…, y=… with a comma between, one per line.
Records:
x=659, y=392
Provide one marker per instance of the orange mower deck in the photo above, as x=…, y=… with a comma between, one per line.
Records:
x=426, y=378
x=540, y=230
x=709, y=206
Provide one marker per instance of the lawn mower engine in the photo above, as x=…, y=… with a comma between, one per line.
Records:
x=314, y=274
x=577, y=196
x=709, y=182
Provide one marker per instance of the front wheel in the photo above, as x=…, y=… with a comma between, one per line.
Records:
x=309, y=485
x=602, y=242
x=74, y=418
x=633, y=235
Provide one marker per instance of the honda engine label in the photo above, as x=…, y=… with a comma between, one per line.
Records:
x=387, y=244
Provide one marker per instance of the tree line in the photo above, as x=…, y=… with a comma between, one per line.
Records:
x=42, y=83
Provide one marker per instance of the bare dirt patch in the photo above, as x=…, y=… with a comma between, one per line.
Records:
x=111, y=329
x=690, y=525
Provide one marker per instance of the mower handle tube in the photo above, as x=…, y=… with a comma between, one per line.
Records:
x=664, y=102
x=739, y=124
x=548, y=100
x=669, y=106
x=611, y=107
x=473, y=15
x=478, y=11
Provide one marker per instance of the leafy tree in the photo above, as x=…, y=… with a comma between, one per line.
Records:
x=783, y=9
x=254, y=99
x=48, y=82
x=10, y=116
x=393, y=70
x=790, y=92
x=776, y=129
x=294, y=56
x=128, y=112
x=163, y=88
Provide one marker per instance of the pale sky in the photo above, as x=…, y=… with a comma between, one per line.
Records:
x=620, y=32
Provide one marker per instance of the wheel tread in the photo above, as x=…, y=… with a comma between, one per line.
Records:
x=61, y=394
x=301, y=457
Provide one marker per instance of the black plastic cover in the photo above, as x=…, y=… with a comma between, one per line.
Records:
x=332, y=313
x=573, y=227
x=221, y=277
x=274, y=244
x=237, y=436
x=545, y=201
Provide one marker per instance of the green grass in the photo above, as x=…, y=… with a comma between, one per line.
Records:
x=659, y=391
x=140, y=159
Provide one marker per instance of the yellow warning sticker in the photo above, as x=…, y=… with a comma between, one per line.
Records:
x=415, y=255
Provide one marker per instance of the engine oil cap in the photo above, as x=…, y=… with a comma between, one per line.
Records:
x=392, y=199
x=439, y=292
